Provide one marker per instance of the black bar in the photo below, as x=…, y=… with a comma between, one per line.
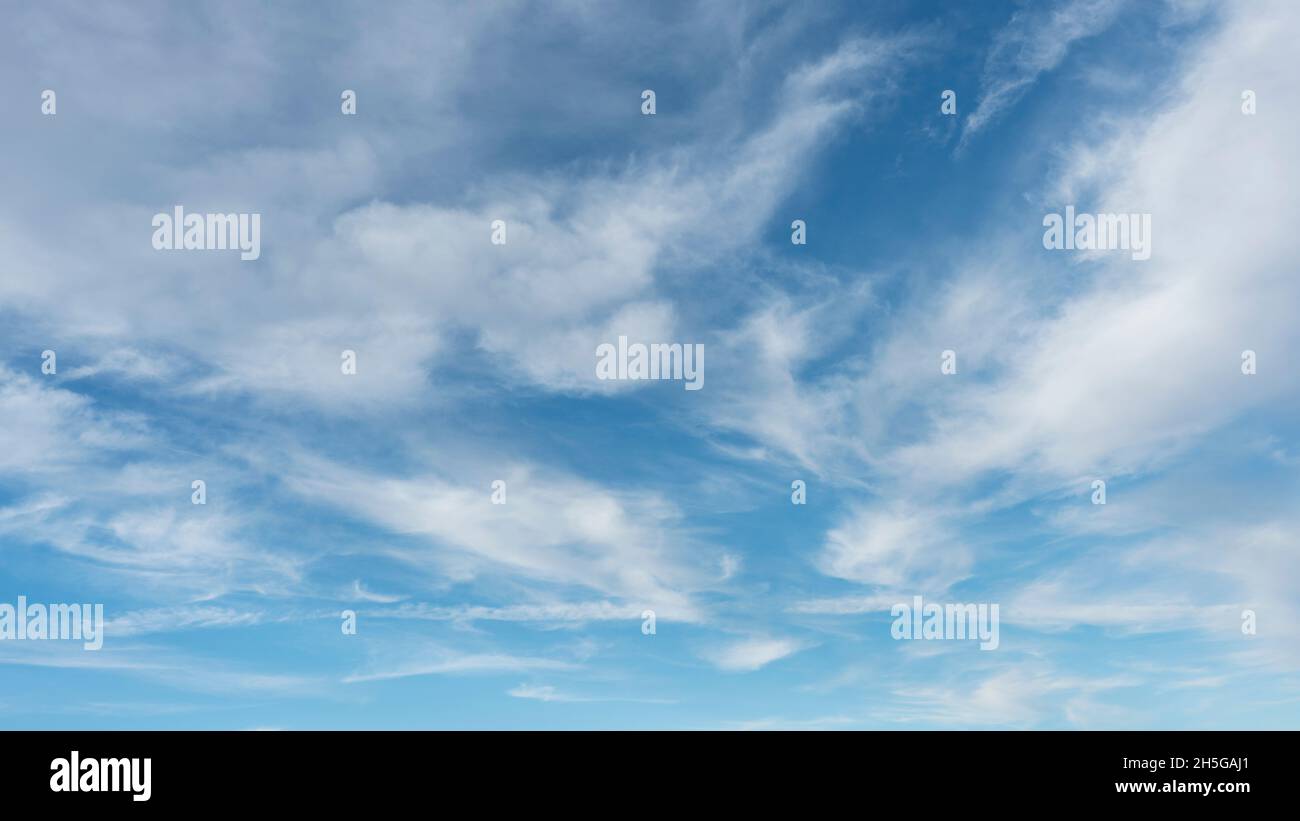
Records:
x=666, y=770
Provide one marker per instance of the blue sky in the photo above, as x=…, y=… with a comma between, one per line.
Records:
x=371, y=492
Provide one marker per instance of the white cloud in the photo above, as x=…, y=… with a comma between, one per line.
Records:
x=541, y=693
x=399, y=281
x=1023, y=695
x=1148, y=359
x=1035, y=40
x=751, y=654
x=49, y=429
x=553, y=528
x=549, y=613
x=167, y=619
x=846, y=605
x=443, y=662
x=899, y=549
x=545, y=692
x=359, y=592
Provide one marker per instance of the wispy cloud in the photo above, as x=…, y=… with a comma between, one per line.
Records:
x=545, y=692
x=445, y=662
x=1035, y=40
x=748, y=655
